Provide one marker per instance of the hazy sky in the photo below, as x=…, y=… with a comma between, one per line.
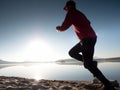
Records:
x=28, y=29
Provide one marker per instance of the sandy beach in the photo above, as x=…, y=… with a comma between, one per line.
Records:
x=15, y=83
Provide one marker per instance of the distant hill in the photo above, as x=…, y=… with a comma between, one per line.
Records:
x=114, y=59
x=6, y=62
x=26, y=62
x=68, y=61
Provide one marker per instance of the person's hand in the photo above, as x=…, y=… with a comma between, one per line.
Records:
x=58, y=29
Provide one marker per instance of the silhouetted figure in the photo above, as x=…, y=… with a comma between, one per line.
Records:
x=87, y=38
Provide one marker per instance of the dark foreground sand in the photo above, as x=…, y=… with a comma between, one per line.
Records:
x=15, y=83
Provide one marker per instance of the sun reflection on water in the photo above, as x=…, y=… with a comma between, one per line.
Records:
x=37, y=77
x=53, y=71
x=41, y=70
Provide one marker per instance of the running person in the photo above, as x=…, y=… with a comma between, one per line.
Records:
x=87, y=38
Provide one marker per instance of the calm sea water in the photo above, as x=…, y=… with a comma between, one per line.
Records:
x=53, y=71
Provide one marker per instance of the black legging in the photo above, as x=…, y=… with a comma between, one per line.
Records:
x=84, y=52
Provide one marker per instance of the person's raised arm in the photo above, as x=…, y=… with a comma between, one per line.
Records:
x=66, y=24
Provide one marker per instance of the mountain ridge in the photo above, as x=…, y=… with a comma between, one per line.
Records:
x=114, y=59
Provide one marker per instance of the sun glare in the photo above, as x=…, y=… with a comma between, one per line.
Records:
x=38, y=49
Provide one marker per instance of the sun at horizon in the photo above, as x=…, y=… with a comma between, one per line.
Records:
x=38, y=50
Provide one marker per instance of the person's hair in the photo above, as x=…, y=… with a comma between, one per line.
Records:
x=71, y=4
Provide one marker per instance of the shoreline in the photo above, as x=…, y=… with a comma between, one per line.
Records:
x=17, y=83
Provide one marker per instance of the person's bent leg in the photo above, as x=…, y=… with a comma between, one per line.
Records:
x=88, y=51
x=96, y=72
x=75, y=52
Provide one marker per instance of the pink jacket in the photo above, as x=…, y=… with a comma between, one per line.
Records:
x=80, y=23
